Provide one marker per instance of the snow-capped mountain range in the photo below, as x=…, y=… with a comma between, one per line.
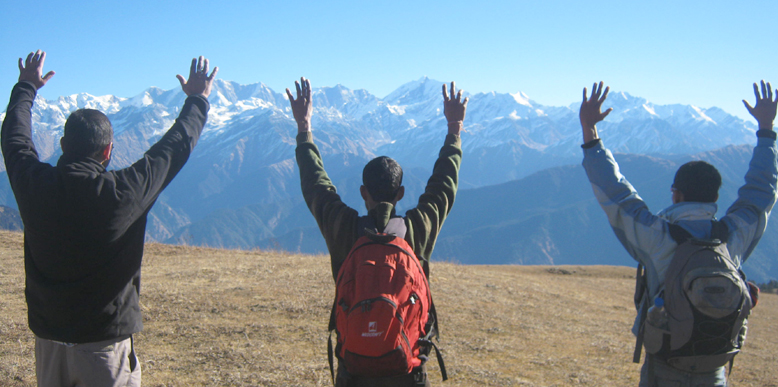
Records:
x=245, y=156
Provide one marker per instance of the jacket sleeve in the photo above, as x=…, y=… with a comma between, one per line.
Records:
x=642, y=233
x=747, y=217
x=16, y=137
x=147, y=177
x=424, y=221
x=336, y=220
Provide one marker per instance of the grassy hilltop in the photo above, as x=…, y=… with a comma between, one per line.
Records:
x=256, y=318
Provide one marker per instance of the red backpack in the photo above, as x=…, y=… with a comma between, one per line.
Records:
x=383, y=313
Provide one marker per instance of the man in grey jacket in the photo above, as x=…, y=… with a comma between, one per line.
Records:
x=646, y=236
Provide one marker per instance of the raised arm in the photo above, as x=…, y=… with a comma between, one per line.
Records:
x=147, y=177
x=302, y=107
x=590, y=113
x=642, y=233
x=425, y=221
x=337, y=221
x=747, y=217
x=16, y=137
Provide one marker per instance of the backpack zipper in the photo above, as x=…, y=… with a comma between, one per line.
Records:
x=365, y=304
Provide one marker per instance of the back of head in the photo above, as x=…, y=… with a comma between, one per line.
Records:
x=383, y=178
x=698, y=181
x=87, y=132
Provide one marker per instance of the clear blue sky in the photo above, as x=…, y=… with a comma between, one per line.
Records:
x=705, y=53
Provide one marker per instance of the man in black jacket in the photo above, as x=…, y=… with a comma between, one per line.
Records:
x=84, y=230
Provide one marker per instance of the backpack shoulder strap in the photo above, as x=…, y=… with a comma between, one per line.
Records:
x=678, y=233
x=718, y=231
x=641, y=286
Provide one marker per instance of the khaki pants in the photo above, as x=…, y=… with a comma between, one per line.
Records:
x=110, y=363
x=664, y=375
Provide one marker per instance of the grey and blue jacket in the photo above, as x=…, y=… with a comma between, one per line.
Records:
x=646, y=236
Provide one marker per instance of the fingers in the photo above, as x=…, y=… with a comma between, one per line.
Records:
x=445, y=94
x=594, y=91
x=181, y=80
x=21, y=65
x=605, y=114
x=748, y=107
x=584, y=95
x=453, y=87
x=459, y=95
x=289, y=94
x=308, y=88
x=605, y=94
x=299, y=91
x=464, y=104
x=769, y=92
x=213, y=73
x=193, y=68
x=304, y=87
x=200, y=64
x=35, y=61
x=764, y=90
x=756, y=91
x=29, y=60
x=42, y=58
x=48, y=76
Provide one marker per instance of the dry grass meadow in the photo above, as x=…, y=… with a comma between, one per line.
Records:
x=253, y=318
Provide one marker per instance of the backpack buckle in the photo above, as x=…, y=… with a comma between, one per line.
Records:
x=420, y=377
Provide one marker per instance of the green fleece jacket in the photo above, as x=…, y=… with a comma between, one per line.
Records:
x=338, y=222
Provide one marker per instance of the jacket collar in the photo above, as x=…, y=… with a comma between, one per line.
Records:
x=381, y=214
x=685, y=211
x=69, y=162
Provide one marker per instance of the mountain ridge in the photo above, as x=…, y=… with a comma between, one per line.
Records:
x=242, y=175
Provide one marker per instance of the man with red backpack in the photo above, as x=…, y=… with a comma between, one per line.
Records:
x=383, y=312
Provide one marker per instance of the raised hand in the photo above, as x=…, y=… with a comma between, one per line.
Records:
x=302, y=107
x=199, y=81
x=590, y=113
x=764, y=111
x=454, y=109
x=32, y=68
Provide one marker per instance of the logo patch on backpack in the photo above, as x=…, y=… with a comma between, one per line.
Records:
x=372, y=330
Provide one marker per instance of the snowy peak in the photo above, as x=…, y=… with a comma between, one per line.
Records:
x=415, y=92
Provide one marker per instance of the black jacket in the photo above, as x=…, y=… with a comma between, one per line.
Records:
x=84, y=227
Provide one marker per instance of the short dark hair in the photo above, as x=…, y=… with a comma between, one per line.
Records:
x=698, y=181
x=87, y=132
x=383, y=178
